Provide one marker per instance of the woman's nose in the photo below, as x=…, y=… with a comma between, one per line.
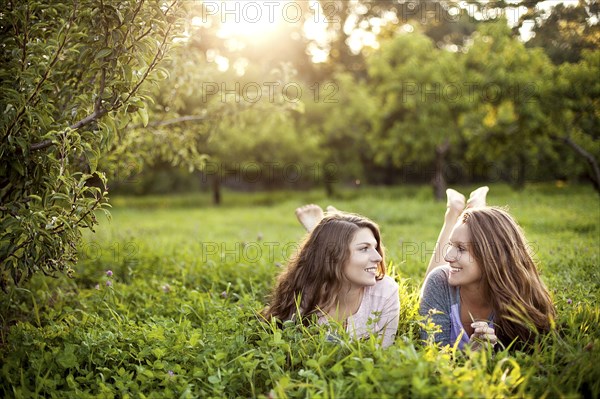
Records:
x=376, y=257
x=450, y=255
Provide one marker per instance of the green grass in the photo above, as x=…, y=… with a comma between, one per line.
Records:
x=179, y=319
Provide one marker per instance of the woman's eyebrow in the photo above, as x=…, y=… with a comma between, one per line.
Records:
x=365, y=243
x=457, y=242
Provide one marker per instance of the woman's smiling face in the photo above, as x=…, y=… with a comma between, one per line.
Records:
x=361, y=268
x=464, y=269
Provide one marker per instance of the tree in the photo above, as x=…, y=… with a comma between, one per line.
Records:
x=227, y=123
x=421, y=97
x=567, y=31
x=506, y=126
x=340, y=116
x=574, y=104
x=72, y=78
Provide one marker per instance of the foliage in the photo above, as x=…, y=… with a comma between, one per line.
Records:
x=565, y=32
x=507, y=124
x=388, y=123
x=575, y=103
x=176, y=316
x=482, y=112
x=417, y=109
x=71, y=80
x=236, y=122
x=446, y=24
x=339, y=119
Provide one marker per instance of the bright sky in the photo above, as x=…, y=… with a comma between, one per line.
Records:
x=263, y=18
x=525, y=31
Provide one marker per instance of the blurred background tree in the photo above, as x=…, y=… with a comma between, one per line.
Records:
x=506, y=126
x=564, y=32
x=418, y=89
x=573, y=104
x=427, y=120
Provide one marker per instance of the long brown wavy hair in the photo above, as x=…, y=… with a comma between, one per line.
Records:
x=315, y=275
x=512, y=284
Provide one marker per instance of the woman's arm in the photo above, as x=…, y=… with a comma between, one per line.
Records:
x=435, y=297
x=437, y=258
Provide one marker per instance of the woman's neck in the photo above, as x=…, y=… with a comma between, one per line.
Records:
x=475, y=301
x=347, y=304
x=351, y=298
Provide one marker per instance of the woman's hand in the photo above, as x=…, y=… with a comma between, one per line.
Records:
x=483, y=335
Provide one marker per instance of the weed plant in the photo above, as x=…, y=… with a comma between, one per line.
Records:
x=167, y=295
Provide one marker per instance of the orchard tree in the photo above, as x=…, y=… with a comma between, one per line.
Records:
x=574, y=109
x=261, y=144
x=72, y=78
x=420, y=99
x=565, y=31
x=340, y=116
x=228, y=122
x=507, y=125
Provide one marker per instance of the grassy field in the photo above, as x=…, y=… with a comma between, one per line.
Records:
x=176, y=314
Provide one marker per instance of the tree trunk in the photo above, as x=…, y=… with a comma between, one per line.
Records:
x=518, y=180
x=589, y=158
x=389, y=174
x=328, y=179
x=216, y=189
x=439, y=181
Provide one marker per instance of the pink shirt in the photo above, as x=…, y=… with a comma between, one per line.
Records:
x=378, y=313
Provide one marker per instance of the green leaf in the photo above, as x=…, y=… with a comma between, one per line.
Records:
x=143, y=113
x=35, y=197
x=148, y=373
x=158, y=352
x=93, y=162
x=103, y=53
x=127, y=73
x=67, y=358
x=18, y=167
x=71, y=381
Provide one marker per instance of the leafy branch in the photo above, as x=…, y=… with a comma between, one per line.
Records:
x=46, y=74
x=99, y=110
